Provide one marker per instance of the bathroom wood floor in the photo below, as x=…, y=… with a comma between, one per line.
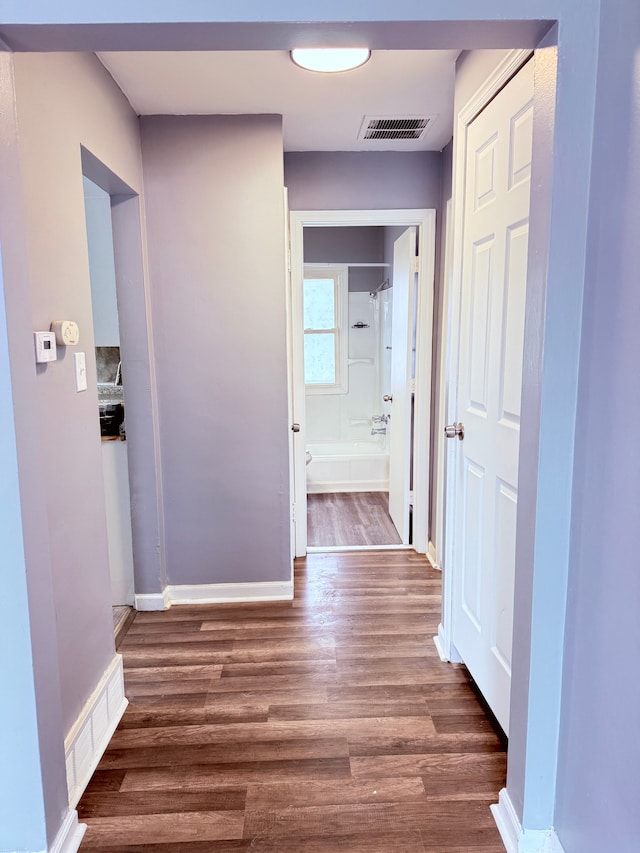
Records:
x=314, y=726
x=350, y=518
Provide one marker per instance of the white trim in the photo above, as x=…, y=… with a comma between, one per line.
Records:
x=498, y=78
x=444, y=331
x=446, y=650
x=424, y=220
x=69, y=835
x=423, y=380
x=320, y=549
x=220, y=593
x=514, y=837
x=289, y=343
x=432, y=556
x=489, y=88
x=326, y=487
x=90, y=734
x=507, y=821
x=152, y=601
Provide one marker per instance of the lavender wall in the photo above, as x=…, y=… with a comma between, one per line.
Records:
x=60, y=101
x=104, y=307
x=40, y=617
x=215, y=216
x=79, y=105
x=600, y=749
x=348, y=244
x=355, y=180
x=344, y=244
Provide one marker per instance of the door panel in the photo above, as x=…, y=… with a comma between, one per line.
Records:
x=404, y=257
x=494, y=264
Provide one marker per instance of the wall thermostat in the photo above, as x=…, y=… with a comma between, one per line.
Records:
x=45, y=344
x=66, y=331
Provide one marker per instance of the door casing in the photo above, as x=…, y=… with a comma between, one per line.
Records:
x=425, y=221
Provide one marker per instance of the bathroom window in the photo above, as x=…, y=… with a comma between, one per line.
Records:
x=325, y=306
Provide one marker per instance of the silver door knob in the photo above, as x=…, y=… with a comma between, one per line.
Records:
x=388, y=398
x=295, y=427
x=455, y=429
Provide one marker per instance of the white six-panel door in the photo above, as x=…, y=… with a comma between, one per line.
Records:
x=494, y=265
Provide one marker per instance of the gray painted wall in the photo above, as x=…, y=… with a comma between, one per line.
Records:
x=343, y=244
x=45, y=261
x=346, y=180
x=97, y=204
x=79, y=105
x=348, y=244
x=40, y=617
x=22, y=804
x=215, y=215
x=599, y=747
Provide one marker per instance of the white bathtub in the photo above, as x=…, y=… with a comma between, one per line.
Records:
x=348, y=466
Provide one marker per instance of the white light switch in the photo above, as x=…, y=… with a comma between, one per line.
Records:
x=81, y=371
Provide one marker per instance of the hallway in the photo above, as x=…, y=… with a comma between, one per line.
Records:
x=323, y=724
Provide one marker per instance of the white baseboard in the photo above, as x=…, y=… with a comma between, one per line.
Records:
x=450, y=655
x=348, y=486
x=220, y=593
x=519, y=840
x=152, y=601
x=507, y=821
x=69, y=835
x=323, y=549
x=91, y=733
x=439, y=644
x=432, y=556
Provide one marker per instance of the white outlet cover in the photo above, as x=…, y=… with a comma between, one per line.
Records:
x=81, y=371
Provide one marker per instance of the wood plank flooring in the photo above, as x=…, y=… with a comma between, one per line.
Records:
x=319, y=725
x=350, y=518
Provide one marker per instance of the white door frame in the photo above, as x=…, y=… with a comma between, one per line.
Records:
x=437, y=534
x=425, y=221
x=490, y=87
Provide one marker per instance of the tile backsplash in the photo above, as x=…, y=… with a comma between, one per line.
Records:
x=107, y=360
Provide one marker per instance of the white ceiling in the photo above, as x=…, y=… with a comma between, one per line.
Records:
x=321, y=112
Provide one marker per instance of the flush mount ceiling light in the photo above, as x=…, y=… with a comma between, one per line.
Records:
x=330, y=59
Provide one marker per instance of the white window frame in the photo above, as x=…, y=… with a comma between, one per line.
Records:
x=340, y=272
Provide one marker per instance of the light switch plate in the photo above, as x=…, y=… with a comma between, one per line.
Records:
x=81, y=371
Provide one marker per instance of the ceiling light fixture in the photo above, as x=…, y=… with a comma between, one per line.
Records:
x=330, y=59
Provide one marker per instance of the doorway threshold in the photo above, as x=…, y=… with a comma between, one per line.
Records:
x=320, y=549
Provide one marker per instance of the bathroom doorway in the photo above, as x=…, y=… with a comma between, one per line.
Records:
x=359, y=373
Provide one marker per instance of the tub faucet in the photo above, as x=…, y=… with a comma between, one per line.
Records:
x=379, y=424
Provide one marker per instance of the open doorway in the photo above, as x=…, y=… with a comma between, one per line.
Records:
x=362, y=286
x=347, y=318
x=110, y=380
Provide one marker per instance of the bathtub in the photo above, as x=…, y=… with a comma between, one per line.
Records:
x=348, y=466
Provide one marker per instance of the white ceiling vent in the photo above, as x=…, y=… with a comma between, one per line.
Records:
x=394, y=127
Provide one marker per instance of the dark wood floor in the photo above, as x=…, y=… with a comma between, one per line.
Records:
x=320, y=725
x=350, y=518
